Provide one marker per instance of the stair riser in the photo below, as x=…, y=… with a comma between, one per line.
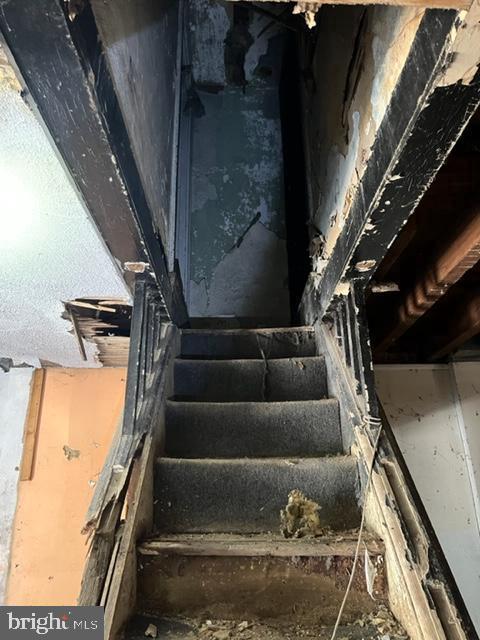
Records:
x=228, y=430
x=250, y=380
x=248, y=344
x=306, y=589
x=245, y=496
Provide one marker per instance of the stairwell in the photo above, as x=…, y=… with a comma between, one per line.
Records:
x=250, y=421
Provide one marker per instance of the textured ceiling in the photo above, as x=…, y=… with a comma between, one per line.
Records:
x=50, y=251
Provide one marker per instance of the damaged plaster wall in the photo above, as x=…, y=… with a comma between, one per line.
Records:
x=238, y=263
x=140, y=42
x=51, y=252
x=351, y=73
x=434, y=411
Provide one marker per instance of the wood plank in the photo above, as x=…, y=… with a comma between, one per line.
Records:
x=426, y=4
x=121, y=598
x=31, y=424
x=258, y=546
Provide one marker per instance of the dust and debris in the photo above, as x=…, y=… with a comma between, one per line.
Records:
x=384, y=622
x=75, y=8
x=300, y=517
x=379, y=625
x=151, y=631
x=309, y=10
x=70, y=454
x=365, y=265
x=7, y=73
x=136, y=267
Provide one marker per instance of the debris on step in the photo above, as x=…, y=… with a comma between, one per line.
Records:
x=300, y=517
x=379, y=625
x=383, y=620
x=151, y=631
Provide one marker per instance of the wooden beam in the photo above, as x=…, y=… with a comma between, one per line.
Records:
x=425, y=117
x=31, y=424
x=459, y=255
x=465, y=324
x=425, y=4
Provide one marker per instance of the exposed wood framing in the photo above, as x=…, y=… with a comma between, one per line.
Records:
x=70, y=86
x=119, y=595
x=462, y=326
x=459, y=254
x=106, y=324
x=31, y=424
x=432, y=103
x=425, y=4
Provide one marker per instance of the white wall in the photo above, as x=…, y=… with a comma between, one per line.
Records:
x=50, y=250
x=434, y=411
x=14, y=397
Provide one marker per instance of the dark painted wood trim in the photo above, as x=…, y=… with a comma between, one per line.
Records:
x=420, y=127
x=62, y=65
x=345, y=386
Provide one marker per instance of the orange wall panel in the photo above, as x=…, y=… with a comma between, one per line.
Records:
x=80, y=410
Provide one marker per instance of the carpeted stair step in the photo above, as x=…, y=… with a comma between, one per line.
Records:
x=259, y=577
x=251, y=380
x=246, y=495
x=252, y=429
x=237, y=344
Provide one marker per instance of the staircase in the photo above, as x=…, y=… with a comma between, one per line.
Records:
x=250, y=421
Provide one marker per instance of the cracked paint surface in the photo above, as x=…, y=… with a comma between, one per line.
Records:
x=237, y=233
x=371, y=46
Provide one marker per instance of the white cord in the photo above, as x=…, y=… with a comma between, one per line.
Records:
x=369, y=421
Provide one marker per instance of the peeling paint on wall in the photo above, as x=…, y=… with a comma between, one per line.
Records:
x=237, y=189
x=241, y=284
x=466, y=53
x=359, y=56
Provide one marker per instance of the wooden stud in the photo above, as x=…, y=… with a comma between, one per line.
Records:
x=31, y=424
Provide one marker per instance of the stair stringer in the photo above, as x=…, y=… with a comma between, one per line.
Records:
x=422, y=594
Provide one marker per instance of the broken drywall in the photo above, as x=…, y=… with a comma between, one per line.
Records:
x=51, y=251
x=465, y=59
x=358, y=57
x=237, y=230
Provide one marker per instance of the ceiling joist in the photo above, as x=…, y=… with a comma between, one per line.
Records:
x=464, y=325
x=459, y=254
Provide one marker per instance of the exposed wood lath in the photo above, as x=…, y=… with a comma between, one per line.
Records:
x=105, y=323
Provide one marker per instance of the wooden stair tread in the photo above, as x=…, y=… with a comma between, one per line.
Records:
x=260, y=545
